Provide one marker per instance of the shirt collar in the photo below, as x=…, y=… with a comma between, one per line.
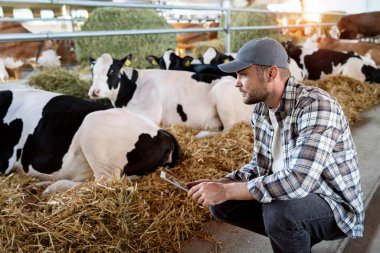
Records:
x=288, y=100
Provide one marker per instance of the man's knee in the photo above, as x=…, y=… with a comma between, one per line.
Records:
x=277, y=216
x=215, y=211
x=218, y=212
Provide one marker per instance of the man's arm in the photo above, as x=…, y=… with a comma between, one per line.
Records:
x=216, y=192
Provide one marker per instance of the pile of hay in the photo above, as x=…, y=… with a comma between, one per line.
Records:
x=147, y=215
x=140, y=46
x=60, y=80
x=243, y=19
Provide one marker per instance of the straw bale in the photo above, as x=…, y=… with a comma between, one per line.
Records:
x=144, y=215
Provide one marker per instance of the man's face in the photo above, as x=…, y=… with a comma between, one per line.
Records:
x=252, y=85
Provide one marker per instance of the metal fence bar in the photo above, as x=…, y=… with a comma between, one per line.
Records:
x=150, y=6
x=267, y=27
x=112, y=4
x=68, y=35
x=41, y=19
x=227, y=31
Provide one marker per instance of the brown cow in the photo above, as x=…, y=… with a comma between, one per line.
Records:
x=361, y=48
x=366, y=24
x=22, y=53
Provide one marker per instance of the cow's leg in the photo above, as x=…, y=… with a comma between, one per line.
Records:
x=104, y=165
x=75, y=164
x=18, y=73
x=60, y=185
x=34, y=187
x=3, y=72
x=375, y=55
x=205, y=134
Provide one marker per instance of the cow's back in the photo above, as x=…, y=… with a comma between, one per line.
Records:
x=21, y=110
x=366, y=24
x=176, y=98
x=49, y=121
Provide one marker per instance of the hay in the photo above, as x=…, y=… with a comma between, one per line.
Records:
x=146, y=215
x=60, y=80
x=120, y=46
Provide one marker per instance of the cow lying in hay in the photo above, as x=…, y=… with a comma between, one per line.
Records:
x=170, y=97
x=317, y=63
x=360, y=48
x=206, y=68
x=71, y=140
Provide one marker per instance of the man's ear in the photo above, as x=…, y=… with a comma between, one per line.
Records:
x=272, y=73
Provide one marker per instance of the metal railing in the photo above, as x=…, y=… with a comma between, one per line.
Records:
x=226, y=11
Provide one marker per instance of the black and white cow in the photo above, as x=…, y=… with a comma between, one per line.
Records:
x=71, y=140
x=169, y=97
x=170, y=60
x=213, y=56
x=316, y=63
x=206, y=68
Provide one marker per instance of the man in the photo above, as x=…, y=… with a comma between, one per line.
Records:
x=302, y=185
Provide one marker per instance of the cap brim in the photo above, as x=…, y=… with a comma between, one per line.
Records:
x=233, y=66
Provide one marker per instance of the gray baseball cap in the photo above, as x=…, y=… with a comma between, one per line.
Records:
x=263, y=51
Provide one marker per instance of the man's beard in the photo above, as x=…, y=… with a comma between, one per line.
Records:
x=256, y=96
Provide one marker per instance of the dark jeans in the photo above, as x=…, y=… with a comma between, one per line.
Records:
x=291, y=225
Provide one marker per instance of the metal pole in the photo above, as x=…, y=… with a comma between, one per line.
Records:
x=69, y=35
x=227, y=25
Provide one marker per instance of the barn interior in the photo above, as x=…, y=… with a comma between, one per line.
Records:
x=148, y=214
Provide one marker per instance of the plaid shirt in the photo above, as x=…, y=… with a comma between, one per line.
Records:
x=320, y=155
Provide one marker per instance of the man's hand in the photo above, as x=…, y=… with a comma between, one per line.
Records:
x=208, y=193
x=213, y=192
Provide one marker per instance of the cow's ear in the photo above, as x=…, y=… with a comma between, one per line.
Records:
x=228, y=59
x=127, y=60
x=187, y=60
x=152, y=60
x=92, y=61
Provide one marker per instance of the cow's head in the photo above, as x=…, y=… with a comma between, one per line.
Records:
x=66, y=50
x=106, y=76
x=213, y=56
x=169, y=60
x=163, y=62
x=372, y=74
x=347, y=28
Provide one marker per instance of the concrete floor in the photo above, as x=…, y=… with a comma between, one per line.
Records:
x=370, y=243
